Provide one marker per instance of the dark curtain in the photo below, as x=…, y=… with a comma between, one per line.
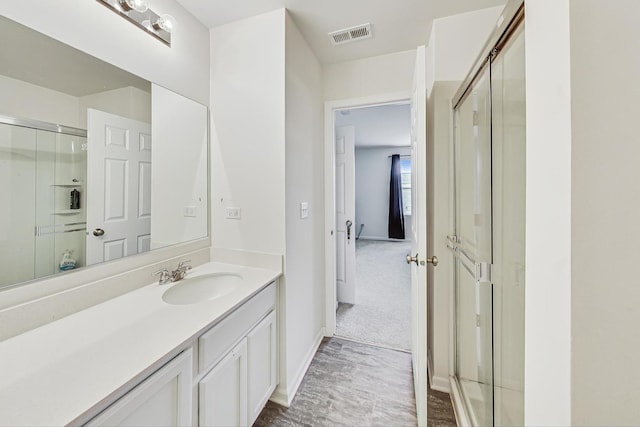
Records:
x=396, y=215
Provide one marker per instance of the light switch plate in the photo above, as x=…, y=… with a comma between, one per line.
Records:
x=233, y=213
x=304, y=210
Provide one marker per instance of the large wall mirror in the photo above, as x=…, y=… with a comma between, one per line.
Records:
x=96, y=164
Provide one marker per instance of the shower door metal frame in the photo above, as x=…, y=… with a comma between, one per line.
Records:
x=509, y=21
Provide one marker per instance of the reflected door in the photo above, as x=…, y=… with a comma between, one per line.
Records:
x=118, y=187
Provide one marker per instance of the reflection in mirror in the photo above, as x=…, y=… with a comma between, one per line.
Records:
x=81, y=177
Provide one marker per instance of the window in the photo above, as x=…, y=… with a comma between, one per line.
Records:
x=405, y=172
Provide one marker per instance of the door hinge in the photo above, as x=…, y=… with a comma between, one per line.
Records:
x=477, y=320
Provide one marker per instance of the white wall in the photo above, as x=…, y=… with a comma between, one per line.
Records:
x=248, y=133
x=96, y=30
x=266, y=159
x=458, y=39
x=25, y=100
x=28, y=101
x=547, y=390
x=179, y=143
x=385, y=74
x=605, y=202
x=454, y=45
x=304, y=259
x=372, y=190
x=128, y=102
x=438, y=226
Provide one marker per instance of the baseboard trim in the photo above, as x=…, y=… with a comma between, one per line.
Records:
x=440, y=384
x=437, y=383
x=381, y=239
x=284, y=394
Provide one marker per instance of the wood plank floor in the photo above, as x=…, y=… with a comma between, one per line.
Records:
x=353, y=384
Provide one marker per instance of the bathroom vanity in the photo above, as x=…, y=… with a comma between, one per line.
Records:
x=138, y=360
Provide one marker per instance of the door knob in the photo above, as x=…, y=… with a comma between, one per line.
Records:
x=433, y=260
x=98, y=232
x=349, y=224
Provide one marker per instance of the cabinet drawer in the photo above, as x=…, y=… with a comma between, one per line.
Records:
x=214, y=343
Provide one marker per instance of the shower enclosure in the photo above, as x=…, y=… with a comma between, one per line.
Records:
x=43, y=170
x=488, y=236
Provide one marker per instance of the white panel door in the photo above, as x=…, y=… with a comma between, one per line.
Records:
x=262, y=364
x=163, y=399
x=118, y=186
x=223, y=391
x=419, y=235
x=345, y=214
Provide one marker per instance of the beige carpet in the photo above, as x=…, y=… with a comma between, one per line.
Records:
x=382, y=313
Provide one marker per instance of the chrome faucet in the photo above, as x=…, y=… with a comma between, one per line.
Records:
x=167, y=276
x=181, y=271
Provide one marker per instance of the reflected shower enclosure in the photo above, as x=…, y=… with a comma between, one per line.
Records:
x=43, y=170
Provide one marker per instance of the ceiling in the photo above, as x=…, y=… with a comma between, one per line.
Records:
x=379, y=126
x=397, y=24
x=32, y=57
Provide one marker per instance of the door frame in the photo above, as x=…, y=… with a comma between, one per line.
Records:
x=330, y=107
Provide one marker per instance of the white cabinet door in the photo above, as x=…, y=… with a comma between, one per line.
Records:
x=163, y=399
x=262, y=364
x=223, y=391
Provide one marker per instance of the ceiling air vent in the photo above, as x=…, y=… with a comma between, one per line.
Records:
x=359, y=32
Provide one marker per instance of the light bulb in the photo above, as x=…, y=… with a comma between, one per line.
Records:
x=140, y=6
x=166, y=23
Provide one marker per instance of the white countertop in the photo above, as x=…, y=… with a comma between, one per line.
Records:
x=53, y=374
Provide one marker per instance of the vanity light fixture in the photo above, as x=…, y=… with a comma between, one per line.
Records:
x=138, y=13
x=137, y=5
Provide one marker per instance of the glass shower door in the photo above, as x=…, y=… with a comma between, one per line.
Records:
x=473, y=290
x=489, y=241
x=509, y=189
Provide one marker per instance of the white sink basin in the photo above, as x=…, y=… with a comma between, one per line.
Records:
x=201, y=288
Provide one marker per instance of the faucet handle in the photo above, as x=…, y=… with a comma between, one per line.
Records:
x=185, y=264
x=165, y=276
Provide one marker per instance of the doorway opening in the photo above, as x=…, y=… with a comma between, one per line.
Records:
x=373, y=182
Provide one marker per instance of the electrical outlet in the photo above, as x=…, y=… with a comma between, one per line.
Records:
x=190, y=211
x=233, y=213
